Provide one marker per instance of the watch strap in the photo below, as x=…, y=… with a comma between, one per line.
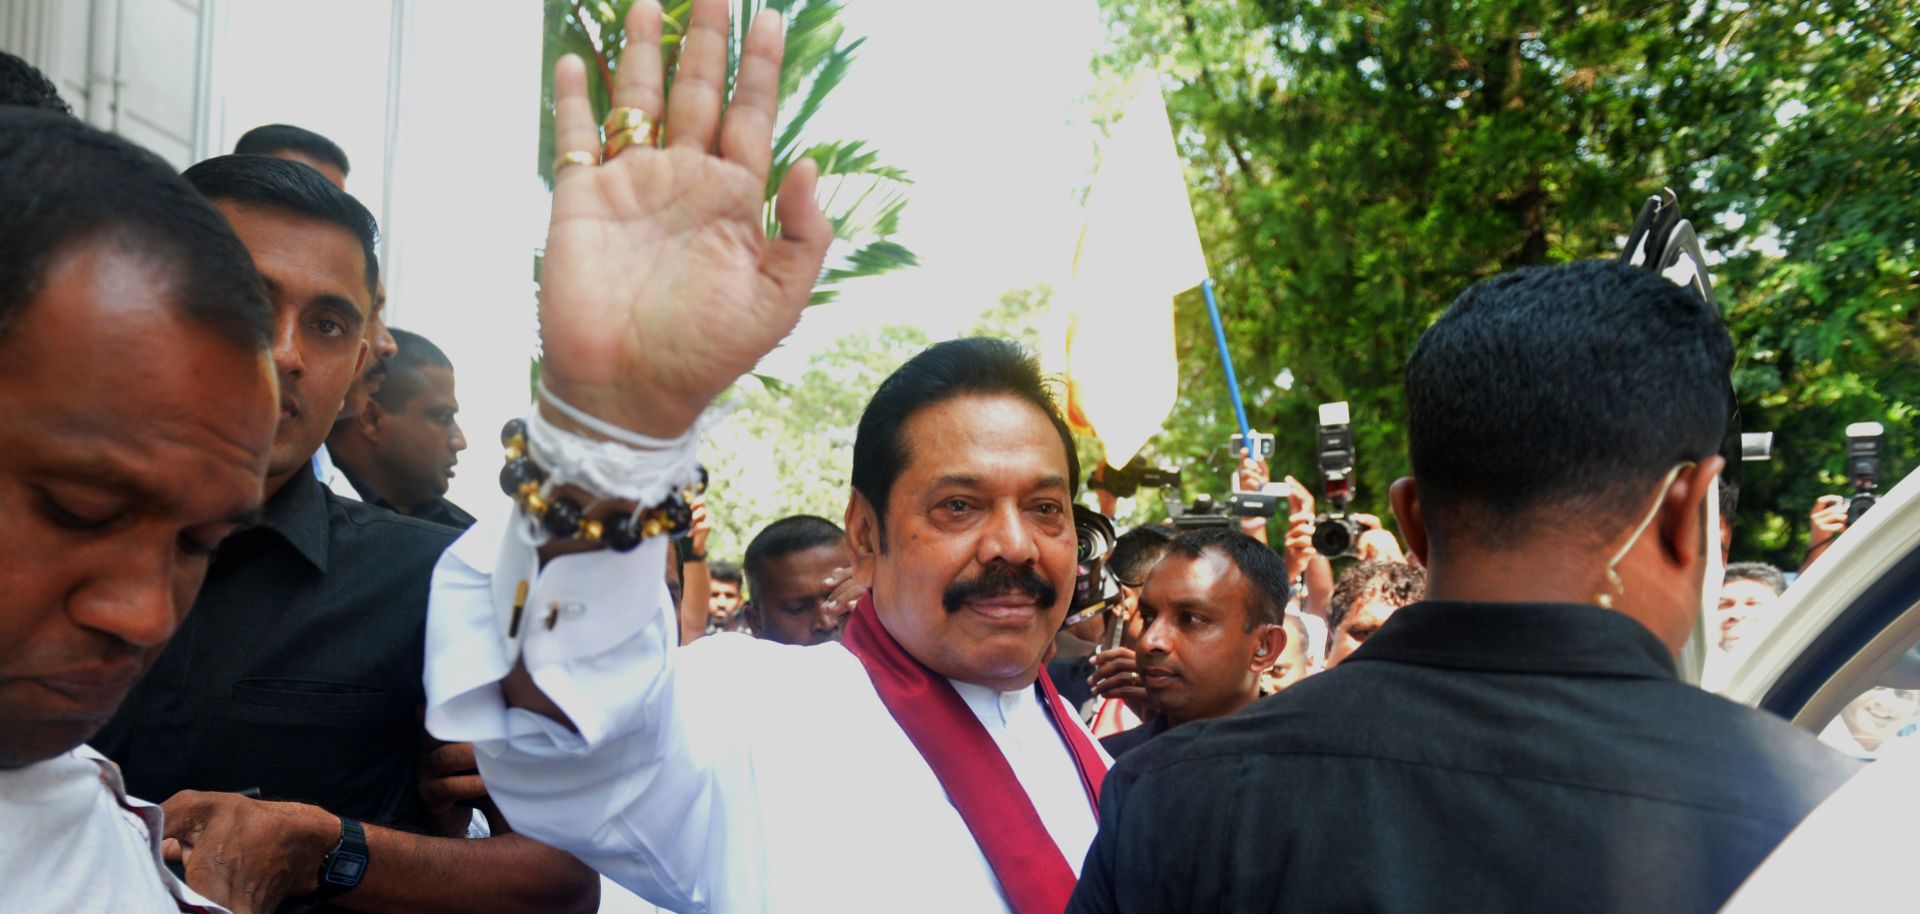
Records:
x=343, y=867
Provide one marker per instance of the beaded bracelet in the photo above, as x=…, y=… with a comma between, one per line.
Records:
x=563, y=518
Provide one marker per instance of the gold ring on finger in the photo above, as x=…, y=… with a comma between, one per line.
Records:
x=623, y=126
x=624, y=118
x=573, y=158
x=616, y=141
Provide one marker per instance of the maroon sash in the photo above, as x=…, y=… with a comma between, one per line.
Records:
x=1037, y=879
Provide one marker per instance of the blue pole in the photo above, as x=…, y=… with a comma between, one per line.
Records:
x=1226, y=362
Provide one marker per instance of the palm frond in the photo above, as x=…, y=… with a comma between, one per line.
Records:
x=852, y=157
x=864, y=197
x=831, y=72
x=871, y=260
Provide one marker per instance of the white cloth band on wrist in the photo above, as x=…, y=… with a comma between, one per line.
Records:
x=630, y=467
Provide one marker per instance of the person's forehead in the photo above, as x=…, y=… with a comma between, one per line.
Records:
x=1207, y=578
x=801, y=571
x=300, y=254
x=1372, y=611
x=435, y=390
x=113, y=386
x=1747, y=588
x=993, y=439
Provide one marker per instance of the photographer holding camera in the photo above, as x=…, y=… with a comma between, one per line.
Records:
x=1825, y=523
x=1833, y=514
x=1297, y=545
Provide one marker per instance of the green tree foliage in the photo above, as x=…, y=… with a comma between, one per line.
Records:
x=788, y=448
x=1825, y=313
x=1355, y=164
x=862, y=196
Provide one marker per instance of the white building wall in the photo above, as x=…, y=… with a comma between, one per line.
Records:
x=434, y=102
x=129, y=66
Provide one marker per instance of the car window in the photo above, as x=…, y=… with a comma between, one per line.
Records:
x=1879, y=713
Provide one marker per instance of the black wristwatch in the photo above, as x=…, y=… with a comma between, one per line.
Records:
x=344, y=866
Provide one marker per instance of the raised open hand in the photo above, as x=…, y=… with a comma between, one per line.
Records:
x=660, y=287
x=1252, y=474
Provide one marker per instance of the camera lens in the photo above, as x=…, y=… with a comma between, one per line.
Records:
x=1333, y=537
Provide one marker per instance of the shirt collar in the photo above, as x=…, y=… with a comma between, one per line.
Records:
x=1520, y=638
x=367, y=494
x=993, y=706
x=298, y=514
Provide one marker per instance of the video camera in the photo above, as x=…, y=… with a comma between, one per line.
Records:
x=1133, y=477
x=1863, y=467
x=1205, y=512
x=1335, y=533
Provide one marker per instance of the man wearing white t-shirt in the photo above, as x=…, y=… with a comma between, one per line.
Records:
x=922, y=761
x=140, y=405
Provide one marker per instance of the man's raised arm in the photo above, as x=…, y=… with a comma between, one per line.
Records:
x=559, y=666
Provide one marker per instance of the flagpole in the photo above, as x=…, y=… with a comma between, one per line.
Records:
x=1226, y=362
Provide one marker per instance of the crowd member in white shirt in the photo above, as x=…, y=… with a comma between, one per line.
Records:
x=920, y=762
x=133, y=358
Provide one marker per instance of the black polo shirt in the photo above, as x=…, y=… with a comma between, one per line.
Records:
x=298, y=672
x=1469, y=757
x=440, y=510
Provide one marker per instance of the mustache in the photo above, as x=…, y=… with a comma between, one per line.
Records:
x=1000, y=580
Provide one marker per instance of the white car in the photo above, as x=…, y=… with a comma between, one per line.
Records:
x=1844, y=664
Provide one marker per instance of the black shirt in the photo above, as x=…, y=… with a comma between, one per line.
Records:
x=298, y=671
x=1468, y=757
x=1119, y=744
x=440, y=510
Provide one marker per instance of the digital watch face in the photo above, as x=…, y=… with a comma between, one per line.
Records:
x=346, y=869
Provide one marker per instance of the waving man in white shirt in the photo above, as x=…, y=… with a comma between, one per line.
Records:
x=924, y=762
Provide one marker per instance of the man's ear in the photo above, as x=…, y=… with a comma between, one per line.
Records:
x=1273, y=643
x=368, y=422
x=1683, y=517
x=751, y=613
x=1404, y=495
x=863, y=536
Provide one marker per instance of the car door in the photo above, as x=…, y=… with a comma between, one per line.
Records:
x=1843, y=661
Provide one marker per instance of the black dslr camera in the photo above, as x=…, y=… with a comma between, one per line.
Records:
x=1094, y=586
x=1335, y=534
x=1863, y=467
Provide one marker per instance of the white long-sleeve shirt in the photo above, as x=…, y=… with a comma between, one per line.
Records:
x=730, y=775
x=72, y=840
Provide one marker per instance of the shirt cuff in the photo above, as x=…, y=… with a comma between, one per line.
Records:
x=599, y=604
x=599, y=641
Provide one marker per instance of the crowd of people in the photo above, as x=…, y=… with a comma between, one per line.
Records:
x=238, y=589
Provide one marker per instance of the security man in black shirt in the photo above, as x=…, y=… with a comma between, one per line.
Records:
x=398, y=451
x=1520, y=741
x=280, y=724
